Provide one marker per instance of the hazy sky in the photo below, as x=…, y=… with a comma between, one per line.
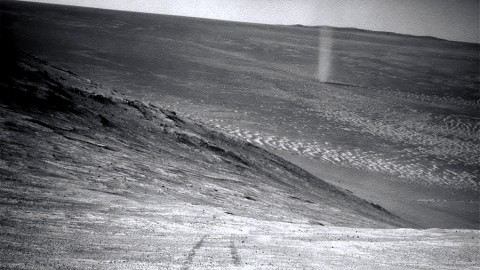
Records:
x=449, y=19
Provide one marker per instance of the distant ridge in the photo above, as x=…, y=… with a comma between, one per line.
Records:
x=345, y=29
x=353, y=29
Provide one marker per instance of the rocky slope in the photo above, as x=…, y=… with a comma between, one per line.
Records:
x=90, y=178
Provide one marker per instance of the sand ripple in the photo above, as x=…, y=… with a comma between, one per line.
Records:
x=404, y=166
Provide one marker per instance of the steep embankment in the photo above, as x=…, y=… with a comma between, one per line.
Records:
x=92, y=179
x=61, y=130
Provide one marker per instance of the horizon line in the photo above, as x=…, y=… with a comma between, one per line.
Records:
x=247, y=22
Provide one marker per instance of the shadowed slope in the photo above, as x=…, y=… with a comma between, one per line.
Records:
x=61, y=130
